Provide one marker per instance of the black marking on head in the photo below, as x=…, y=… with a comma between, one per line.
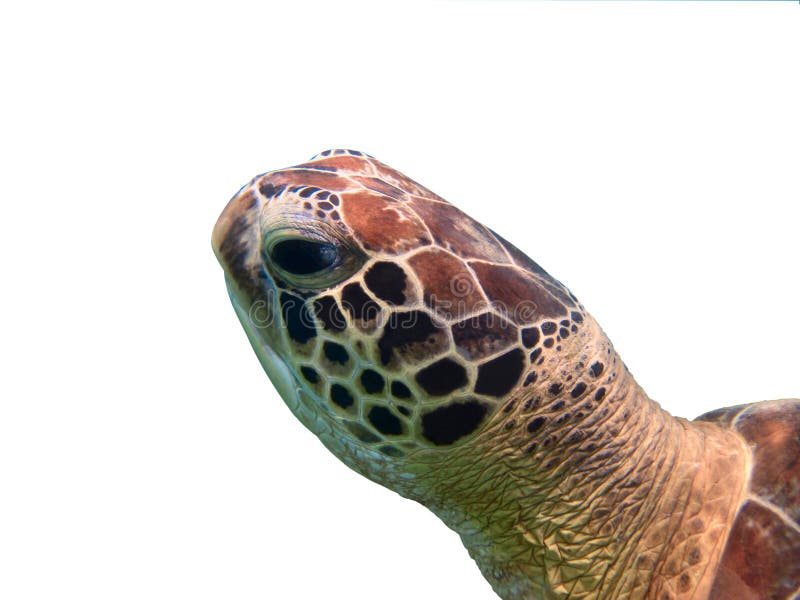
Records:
x=387, y=281
x=269, y=190
x=530, y=337
x=372, y=381
x=530, y=378
x=362, y=433
x=324, y=205
x=327, y=311
x=579, y=389
x=392, y=451
x=341, y=396
x=384, y=421
x=356, y=301
x=400, y=390
x=335, y=352
x=549, y=328
x=596, y=369
x=600, y=394
x=555, y=388
x=405, y=329
x=403, y=411
x=309, y=191
x=442, y=377
x=576, y=316
x=535, y=354
x=483, y=335
x=558, y=405
x=298, y=319
x=446, y=424
x=548, y=343
x=564, y=333
x=498, y=376
x=334, y=199
x=309, y=374
x=536, y=424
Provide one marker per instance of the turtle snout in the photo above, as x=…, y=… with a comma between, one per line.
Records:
x=235, y=239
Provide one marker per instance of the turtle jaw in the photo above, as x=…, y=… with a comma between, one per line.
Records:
x=278, y=369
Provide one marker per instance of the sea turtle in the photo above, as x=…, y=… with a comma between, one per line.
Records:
x=435, y=358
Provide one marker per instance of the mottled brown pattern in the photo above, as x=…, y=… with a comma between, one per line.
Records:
x=382, y=187
x=321, y=179
x=458, y=233
x=761, y=560
x=236, y=240
x=344, y=163
x=516, y=293
x=448, y=286
x=483, y=335
x=402, y=181
x=773, y=430
x=520, y=258
x=381, y=224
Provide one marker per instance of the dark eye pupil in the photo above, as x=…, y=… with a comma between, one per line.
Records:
x=303, y=257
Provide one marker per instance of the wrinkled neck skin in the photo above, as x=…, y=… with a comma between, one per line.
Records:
x=598, y=497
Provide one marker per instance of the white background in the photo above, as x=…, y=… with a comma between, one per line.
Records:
x=646, y=154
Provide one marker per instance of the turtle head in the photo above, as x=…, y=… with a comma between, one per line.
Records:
x=392, y=324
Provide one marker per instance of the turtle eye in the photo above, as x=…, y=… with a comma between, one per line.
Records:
x=303, y=257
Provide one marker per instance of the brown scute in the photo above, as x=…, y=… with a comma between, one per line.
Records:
x=722, y=416
x=516, y=293
x=457, y=232
x=520, y=258
x=480, y=336
x=773, y=431
x=382, y=187
x=448, y=286
x=306, y=177
x=382, y=224
x=761, y=559
x=411, y=336
x=344, y=163
x=405, y=183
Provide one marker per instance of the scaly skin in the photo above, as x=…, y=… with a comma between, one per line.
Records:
x=620, y=500
x=525, y=432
